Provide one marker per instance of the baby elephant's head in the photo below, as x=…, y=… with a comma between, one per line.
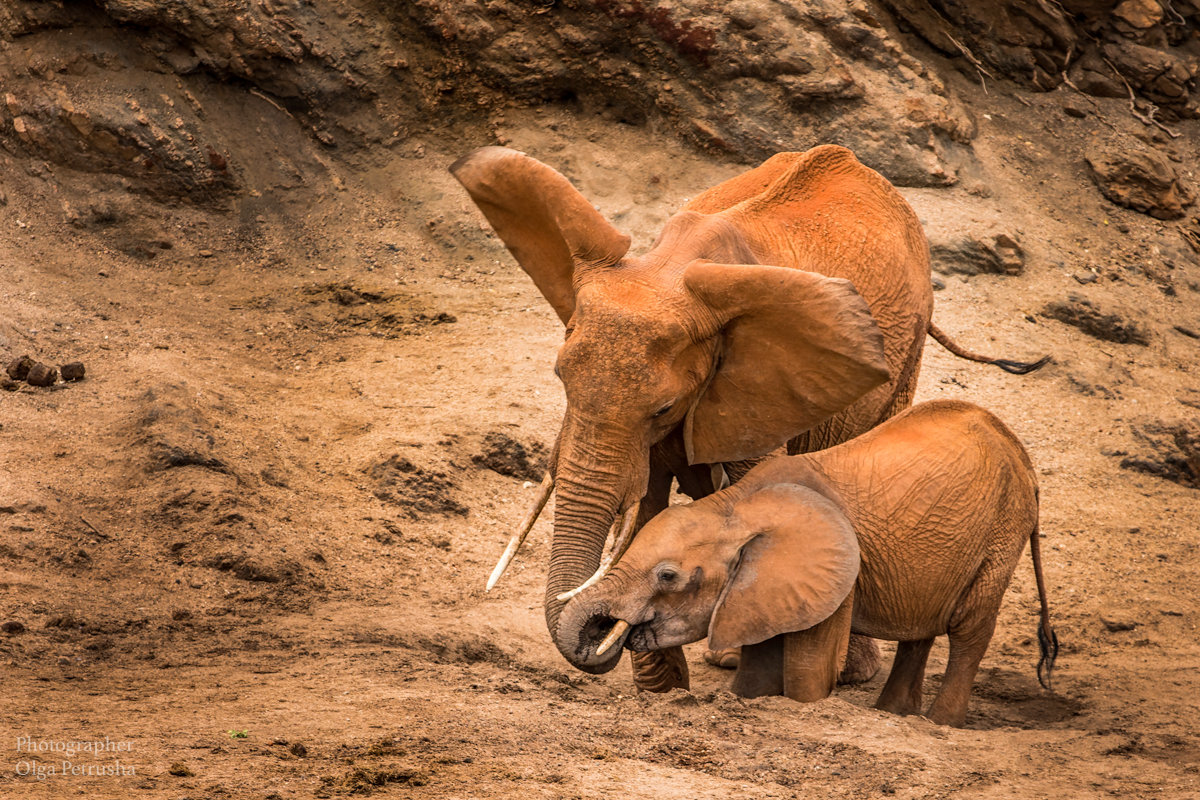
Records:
x=736, y=567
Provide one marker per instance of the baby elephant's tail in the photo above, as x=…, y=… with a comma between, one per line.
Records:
x=1015, y=367
x=1047, y=638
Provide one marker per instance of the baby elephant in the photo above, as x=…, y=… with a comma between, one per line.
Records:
x=905, y=533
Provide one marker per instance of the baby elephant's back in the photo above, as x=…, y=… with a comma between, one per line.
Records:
x=941, y=496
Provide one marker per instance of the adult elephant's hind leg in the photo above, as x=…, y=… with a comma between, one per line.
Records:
x=862, y=660
x=902, y=692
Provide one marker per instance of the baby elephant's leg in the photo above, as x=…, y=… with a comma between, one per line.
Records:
x=971, y=628
x=811, y=658
x=902, y=692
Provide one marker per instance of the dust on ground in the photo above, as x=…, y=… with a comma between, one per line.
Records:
x=252, y=542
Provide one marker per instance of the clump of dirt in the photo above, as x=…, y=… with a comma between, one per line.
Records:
x=365, y=780
x=248, y=568
x=1082, y=313
x=374, y=312
x=507, y=456
x=1169, y=450
x=175, y=430
x=415, y=489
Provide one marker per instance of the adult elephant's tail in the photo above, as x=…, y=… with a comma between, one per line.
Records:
x=1047, y=638
x=1015, y=367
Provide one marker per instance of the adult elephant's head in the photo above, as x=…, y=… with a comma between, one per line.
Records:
x=693, y=335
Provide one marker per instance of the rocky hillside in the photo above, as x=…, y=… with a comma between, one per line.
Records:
x=137, y=94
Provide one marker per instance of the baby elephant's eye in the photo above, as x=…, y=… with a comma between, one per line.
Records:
x=667, y=575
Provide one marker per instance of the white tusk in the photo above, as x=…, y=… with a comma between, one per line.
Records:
x=720, y=478
x=620, y=545
x=514, y=544
x=612, y=637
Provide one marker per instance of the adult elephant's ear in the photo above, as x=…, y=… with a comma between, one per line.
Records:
x=796, y=348
x=548, y=226
x=798, y=563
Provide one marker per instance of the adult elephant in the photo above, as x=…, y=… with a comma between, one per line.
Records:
x=788, y=305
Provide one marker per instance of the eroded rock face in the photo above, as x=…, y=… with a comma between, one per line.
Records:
x=1098, y=45
x=747, y=77
x=1141, y=179
x=743, y=77
x=163, y=149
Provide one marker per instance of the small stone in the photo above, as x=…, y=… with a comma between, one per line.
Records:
x=938, y=283
x=180, y=770
x=63, y=661
x=1081, y=277
x=73, y=371
x=206, y=253
x=1074, y=111
x=41, y=375
x=9, y=386
x=298, y=750
x=1140, y=14
x=12, y=627
x=1143, y=180
x=992, y=251
x=1115, y=622
x=18, y=368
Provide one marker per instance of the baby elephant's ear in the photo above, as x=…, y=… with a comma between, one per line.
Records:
x=798, y=564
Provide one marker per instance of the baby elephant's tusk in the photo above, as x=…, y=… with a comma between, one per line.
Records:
x=620, y=545
x=514, y=544
x=616, y=633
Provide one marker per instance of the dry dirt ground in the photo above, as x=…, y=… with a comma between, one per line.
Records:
x=251, y=546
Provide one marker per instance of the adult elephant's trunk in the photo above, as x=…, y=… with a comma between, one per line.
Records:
x=584, y=623
x=595, y=481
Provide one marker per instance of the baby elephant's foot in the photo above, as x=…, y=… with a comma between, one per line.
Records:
x=725, y=659
x=862, y=661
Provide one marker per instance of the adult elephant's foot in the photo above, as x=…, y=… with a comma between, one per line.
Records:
x=725, y=659
x=862, y=660
x=660, y=670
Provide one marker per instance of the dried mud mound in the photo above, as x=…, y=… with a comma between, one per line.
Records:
x=204, y=509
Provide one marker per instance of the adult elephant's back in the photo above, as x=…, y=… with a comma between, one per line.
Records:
x=825, y=212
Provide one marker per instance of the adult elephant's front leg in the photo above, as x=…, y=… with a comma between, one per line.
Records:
x=660, y=670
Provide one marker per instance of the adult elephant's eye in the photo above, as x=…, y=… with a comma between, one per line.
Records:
x=667, y=575
x=663, y=410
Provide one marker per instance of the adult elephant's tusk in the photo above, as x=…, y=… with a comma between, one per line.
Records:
x=620, y=545
x=514, y=544
x=612, y=637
